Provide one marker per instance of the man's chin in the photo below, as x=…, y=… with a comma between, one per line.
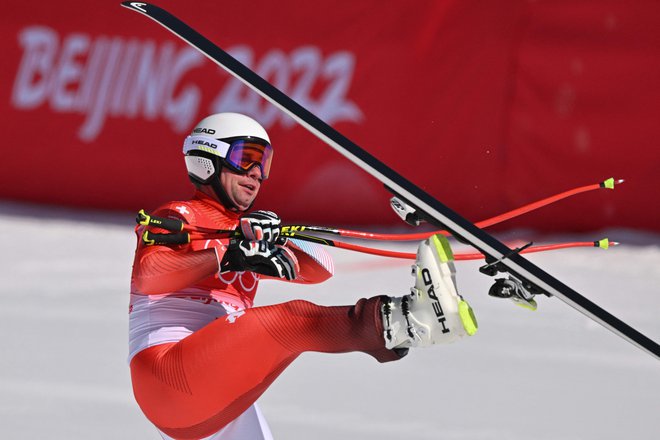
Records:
x=245, y=204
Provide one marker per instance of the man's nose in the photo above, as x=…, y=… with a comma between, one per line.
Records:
x=255, y=172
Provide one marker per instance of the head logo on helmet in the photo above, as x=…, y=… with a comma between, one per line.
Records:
x=233, y=140
x=204, y=130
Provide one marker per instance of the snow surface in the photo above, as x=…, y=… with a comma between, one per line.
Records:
x=549, y=374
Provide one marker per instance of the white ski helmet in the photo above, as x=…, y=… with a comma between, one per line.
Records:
x=230, y=125
x=230, y=139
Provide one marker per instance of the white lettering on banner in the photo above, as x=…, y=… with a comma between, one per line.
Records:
x=116, y=77
x=39, y=45
x=308, y=68
x=106, y=76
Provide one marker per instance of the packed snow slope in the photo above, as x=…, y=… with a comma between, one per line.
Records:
x=544, y=375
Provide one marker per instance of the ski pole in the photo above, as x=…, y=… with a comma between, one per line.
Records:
x=177, y=225
x=179, y=238
x=608, y=184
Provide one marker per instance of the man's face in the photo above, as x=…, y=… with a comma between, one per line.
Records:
x=241, y=189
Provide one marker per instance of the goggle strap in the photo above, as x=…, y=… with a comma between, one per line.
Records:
x=206, y=144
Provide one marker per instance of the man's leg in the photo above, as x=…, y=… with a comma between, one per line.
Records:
x=250, y=425
x=195, y=387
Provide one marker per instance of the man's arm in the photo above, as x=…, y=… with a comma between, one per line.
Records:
x=315, y=263
x=160, y=269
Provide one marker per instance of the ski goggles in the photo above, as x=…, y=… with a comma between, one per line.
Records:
x=240, y=154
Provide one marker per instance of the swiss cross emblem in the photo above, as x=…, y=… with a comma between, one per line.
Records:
x=183, y=210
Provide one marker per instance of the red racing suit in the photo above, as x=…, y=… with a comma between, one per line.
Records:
x=200, y=354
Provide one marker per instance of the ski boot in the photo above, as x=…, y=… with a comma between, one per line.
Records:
x=434, y=312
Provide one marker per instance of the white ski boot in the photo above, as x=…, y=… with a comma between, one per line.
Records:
x=434, y=312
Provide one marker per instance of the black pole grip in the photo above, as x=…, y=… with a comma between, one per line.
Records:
x=169, y=224
x=152, y=239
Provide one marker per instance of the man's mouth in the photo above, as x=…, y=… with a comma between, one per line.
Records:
x=250, y=186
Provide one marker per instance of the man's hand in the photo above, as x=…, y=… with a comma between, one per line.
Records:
x=260, y=256
x=261, y=225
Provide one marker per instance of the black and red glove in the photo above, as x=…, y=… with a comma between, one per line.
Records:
x=260, y=256
x=261, y=225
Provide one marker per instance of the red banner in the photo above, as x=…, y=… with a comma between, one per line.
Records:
x=485, y=106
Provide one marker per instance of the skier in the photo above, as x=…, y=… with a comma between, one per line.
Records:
x=200, y=354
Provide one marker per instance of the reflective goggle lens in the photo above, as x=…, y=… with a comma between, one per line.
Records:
x=244, y=154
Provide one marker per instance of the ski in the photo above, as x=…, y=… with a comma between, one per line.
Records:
x=523, y=274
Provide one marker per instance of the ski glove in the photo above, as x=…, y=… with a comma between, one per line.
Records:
x=261, y=225
x=260, y=256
